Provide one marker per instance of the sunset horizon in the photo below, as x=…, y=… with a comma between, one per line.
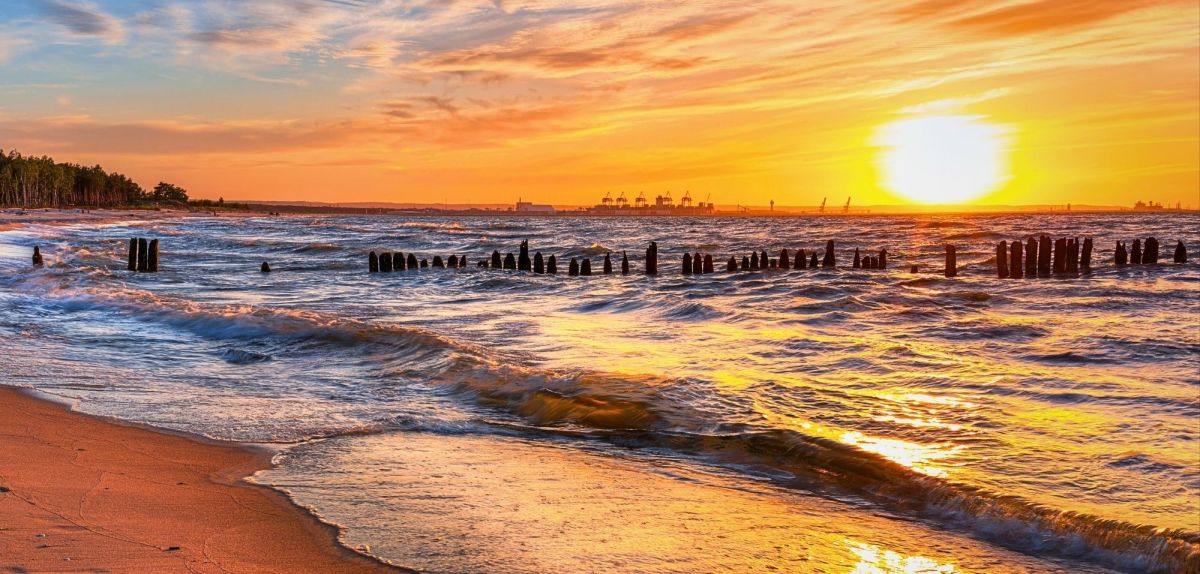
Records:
x=482, y=102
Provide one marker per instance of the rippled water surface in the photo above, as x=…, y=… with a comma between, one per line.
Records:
x=807, y=420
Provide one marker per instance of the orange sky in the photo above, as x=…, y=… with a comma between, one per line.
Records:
x=561, y=102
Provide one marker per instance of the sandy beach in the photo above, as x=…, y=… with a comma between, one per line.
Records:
x=81, y=493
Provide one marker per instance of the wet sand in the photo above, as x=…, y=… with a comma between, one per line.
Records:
x=81, y=493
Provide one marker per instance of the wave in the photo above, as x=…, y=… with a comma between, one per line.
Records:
x=644, y=412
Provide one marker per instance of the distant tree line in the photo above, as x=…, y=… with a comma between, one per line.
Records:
x=28, y=181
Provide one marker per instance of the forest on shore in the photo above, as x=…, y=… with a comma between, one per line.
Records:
x=30, y=181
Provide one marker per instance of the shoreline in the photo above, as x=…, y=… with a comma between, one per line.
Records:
x=80, y=492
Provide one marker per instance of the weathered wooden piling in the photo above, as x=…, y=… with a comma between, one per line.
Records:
x=1060, y=255
x=523, y=262
x=883, y=258
x=133, y=253
x=773, y=264
x=697, y=264
x=687, y=263
x=1085, y=261
x=1014, y=260
x=437, y=262
x=585, y=266
x=785, y=259
x=551, y=266
x=398, y=261
x=496, y=260
x=573, y=268
x=452, y=262
x=874, y=262
x=830, y=255
x=372, y=260
x=951, y=261
x=1150, y=252
x=1002, y=260
x=1031, y=255
x=1044, y=252
x=812, y=262
x=652, y=259
x=385, y=262
x=1120, y=255
x=151, y=258
x=462, y=260
x=424, y=263
x=801, y=260
x=607, y=264
x=1135, y=254
x=913, y=268
x=745, y=263
x=411, y=262
x=763, y=259
x=1073, y=255
x=143, y=254
x=857, y=262
x=37, y=256
x=624, y=263
x=265, y=267
x=1180, y=252
x=708, y=263
x=539, y=265
x=510, y=262
x=731, y=265
x=753, y=260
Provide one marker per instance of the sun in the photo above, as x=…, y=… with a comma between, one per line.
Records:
x=944, y=159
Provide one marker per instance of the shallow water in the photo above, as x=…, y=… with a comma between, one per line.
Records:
x=935, y=424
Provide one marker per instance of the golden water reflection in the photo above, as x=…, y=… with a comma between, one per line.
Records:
x=876, y=560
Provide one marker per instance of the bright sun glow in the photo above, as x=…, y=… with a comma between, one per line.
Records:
x=942, y=159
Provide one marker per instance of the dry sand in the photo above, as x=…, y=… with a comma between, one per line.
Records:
x=84, y=494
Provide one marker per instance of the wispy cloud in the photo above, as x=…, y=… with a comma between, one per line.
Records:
x=83, y=19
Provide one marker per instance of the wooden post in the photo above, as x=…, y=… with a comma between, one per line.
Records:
x=585, y=267
x=573, y=268
x=1135, y=254
x=687, y=263
x=624, y=263
x=913, y=269
x=1086, y=261
x=745, y=263
x=607, y=264
x=411, y=262
x=697, y=264
x=510, y=262
x=1044, y=253
x=133, y=254
x=385, y=262
x=708, y=263
x=37, y=256
x=265, y=268
x=830, y=257
x=785, y=259
x=652, y=259
x=801, y=260
x=1031, y=255
x=731, y=265
x=951, y=261
x=496, y=263
x=1014, y=260
x=1073, y=255
x=1180, y=252
x=372, y=262
x=883, y=258
x=551, y=266
x=1060, y=255
x=812, y=262
x=1002, y=260
x=398, y=261
x=753, y=260
x=773, y=264
x=857, y=262
x=452, y=262
x=539, y=265
x=523, y=263
x=143, y=254
x=424, y=263
x=1150, y=253
x=462, y=260
x=1121, y=256
x=763, y=259
x=152, y=257
x=437, y=262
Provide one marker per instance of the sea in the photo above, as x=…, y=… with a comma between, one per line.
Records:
x=803, y=420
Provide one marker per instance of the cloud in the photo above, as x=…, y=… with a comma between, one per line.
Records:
x=83, y=19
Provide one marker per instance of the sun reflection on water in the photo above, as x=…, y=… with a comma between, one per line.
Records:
x=875, y=560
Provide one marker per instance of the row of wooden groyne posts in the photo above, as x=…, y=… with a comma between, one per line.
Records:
x=1036, y=257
